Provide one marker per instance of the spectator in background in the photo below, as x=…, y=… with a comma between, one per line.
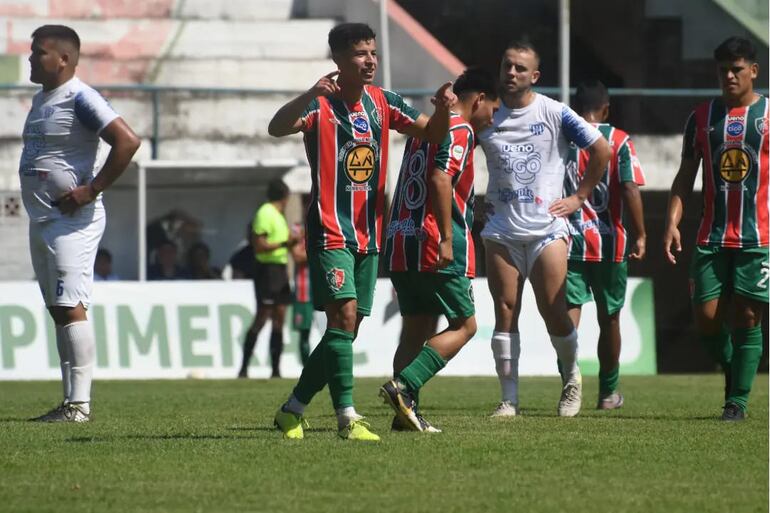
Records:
x=165, y=266
x=176, y=226
x=199, y=265
x=271, y=247
x=243, y=265
x=103, y=266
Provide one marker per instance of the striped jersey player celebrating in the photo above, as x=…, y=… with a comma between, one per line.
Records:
x=597, y=260
x=729, y=271
x=429, y=248
x=526, y=236
x=346, y=124
x=61, y=192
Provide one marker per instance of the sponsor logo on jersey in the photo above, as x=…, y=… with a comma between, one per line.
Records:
x=358, y=161
x=735, y=128
x=360, y=125
x=336, y=279
x=761, y=125
x=734, y=164
x=407, y=228
x=537, y=128
x=48, y=112
x=457, y=152
x=523, y=195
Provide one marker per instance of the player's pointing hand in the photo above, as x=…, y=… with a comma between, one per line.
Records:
x=445, y=98
x=326, y=85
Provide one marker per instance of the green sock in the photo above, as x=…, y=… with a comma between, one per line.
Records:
x=338, y=362
x=746, y=356
x=313, y=377
x=422, y=368
x=720, y=347
x=608, y=381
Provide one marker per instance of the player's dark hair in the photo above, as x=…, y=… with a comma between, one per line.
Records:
x=735, y=48
x=591, y=96
x=476, y=80
x=103, y=253
x=277, y=190
x=60, y=32
x=345, y=35
x=522, y=44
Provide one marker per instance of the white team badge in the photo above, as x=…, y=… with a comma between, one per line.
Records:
x=761, y=125
x=457, y=152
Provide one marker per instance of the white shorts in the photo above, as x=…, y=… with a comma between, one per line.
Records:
x=63, y=252
x=524, y=253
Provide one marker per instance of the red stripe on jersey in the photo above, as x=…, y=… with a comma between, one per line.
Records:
x=302, y=292
x=734, y=223
x=359, y=199
x=428, y=256
x=761, y=199
x=376, y=94
x=702, y=122
x=327, y=176
x=615, y=205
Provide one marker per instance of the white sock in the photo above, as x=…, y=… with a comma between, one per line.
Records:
x=506, y=348
x=80, y=339
x=567, y=350
x=345, y=416
x=294, y=406
x=64, y=362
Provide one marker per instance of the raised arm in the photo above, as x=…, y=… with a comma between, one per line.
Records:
x=435, y=128
x=288, y=120
x=124, y=143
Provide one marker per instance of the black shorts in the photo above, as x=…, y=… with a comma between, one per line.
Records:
x=271, y=284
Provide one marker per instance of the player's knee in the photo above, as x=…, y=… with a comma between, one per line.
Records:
x=747, y=314
x=63, y=315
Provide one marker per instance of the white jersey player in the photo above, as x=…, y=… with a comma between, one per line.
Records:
x=61, y=192
x=526, y=234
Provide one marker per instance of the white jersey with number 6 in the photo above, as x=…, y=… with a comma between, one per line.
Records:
x=527, y=151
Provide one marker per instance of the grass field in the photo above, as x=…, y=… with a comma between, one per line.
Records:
x=209, y=446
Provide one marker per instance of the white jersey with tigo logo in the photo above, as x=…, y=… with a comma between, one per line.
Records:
x=527, y=152
x=61, y=139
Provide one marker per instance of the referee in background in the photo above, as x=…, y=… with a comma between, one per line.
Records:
x=271, y=242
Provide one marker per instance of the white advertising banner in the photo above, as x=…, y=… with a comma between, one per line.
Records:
x=194, y=328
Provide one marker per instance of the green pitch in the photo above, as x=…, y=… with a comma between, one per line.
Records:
x=209, y=446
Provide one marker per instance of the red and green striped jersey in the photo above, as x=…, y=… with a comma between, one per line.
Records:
x=413, y=235
x=347, y=148
x=732, y=144
x=302, y=283
x=597, y=229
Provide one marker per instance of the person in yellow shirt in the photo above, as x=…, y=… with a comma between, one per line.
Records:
x=271, y=241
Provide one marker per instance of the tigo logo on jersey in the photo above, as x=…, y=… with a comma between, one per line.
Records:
x=734, y=164
x=361, y=125
x=336, y=279
x=735, y=128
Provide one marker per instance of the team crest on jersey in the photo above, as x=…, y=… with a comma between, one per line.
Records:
x=336, y=279
x=537, y=128
x=761, y=125
x=735, y=128
x=734, y=164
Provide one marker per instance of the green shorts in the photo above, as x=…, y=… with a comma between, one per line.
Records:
x=302, y=316
x=715, y=270
x=606, y=280
x=434, y=294
x=342, y=274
